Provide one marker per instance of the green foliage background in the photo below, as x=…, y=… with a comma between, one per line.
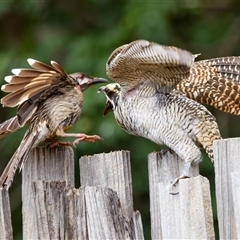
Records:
x=80, y=35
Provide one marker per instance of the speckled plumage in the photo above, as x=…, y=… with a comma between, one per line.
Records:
x=50, y=101
x=145, y=103
x=215, y=82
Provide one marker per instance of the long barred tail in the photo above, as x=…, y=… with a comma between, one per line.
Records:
x=226, y=67
x=208, y=145
x=215, y=82
x=208, y=131
x=209, y=152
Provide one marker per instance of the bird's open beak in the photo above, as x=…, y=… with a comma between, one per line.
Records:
x=101, y=89
x=108, y=108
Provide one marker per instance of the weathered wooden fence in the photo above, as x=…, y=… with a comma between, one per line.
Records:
x=102, y=208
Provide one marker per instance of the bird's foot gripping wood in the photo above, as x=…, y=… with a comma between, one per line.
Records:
x=174, y=184
x=165, y=150
x=186, y=174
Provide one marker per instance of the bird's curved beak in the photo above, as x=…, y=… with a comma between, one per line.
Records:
x=99, y=80
x=91, y=81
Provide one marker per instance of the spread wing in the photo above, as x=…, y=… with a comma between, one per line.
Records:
x=215, y=82
x=29, y=86
x=149, y=63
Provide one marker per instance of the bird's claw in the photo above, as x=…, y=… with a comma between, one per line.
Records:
x=175, y=183
x=172, y=186
x=87, y=138
x=166, y=150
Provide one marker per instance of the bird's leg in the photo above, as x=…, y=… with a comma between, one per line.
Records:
x=80, y=136
x=185, y=174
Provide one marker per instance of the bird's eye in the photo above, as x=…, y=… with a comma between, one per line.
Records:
x=81, y=76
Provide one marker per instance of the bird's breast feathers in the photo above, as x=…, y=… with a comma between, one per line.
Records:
x=135, y=114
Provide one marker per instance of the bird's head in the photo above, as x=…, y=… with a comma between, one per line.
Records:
x=111, y=92
x=86, y=81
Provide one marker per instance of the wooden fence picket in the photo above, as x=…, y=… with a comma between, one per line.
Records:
x=103, y=208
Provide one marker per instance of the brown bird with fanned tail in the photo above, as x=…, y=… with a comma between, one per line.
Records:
x=50, y=101
x=149, y=96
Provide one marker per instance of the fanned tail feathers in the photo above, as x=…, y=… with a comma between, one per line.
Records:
x=215, y=82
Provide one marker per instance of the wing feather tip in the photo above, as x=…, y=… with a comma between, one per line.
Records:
x=3, y=87
x=31, y=61
x=16, y=71
x=53, y=62
x=8, y=78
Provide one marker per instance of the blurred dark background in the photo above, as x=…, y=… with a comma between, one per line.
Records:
x=80, y=35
